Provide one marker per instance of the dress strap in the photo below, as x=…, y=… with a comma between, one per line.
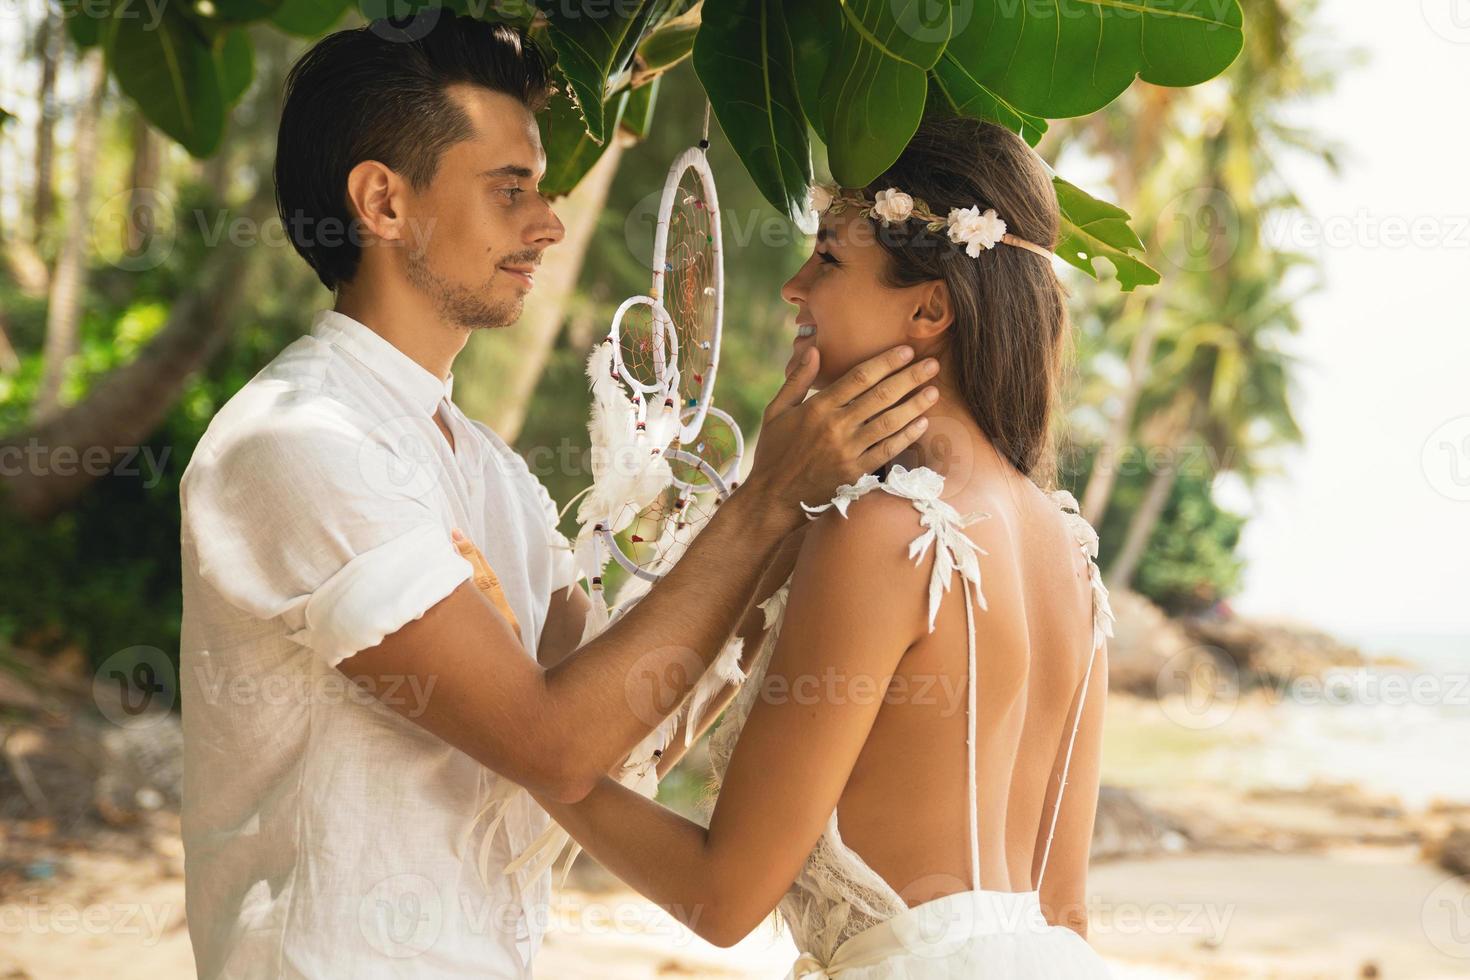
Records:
x=954, y=551
x=1102, y=627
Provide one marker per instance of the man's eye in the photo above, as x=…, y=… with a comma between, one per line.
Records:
x=512, y=192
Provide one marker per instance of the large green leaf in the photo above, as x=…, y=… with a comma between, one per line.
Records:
x=872, y=94
x=170, y=72
x=638, y=116
x=86, y=31
x=961, y=93
x=1093, y=229
x=669, y=43
x=814, y=29
x=570, y=149
x=743, y=58
x=236, y=64
x=309, y=18
x=1063, y=58
x=594, y=40
x=244, y=11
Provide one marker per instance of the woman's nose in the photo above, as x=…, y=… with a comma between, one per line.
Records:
x=791, y=290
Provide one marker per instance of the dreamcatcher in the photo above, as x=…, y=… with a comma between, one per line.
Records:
x=663, y=456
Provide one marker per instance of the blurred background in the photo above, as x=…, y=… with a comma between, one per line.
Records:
x=1274, y=443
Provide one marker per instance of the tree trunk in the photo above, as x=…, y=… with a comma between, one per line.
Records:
x=69, y=282
x=1169, y=429
x=1141, y=526
x=1104, y=474
x=143, y=184
x=9, y=361
x=48, y=48
x=496, y=374
x=123, y=408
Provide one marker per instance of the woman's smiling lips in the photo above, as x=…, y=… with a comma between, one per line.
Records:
x=804, y=331
x=525, y=273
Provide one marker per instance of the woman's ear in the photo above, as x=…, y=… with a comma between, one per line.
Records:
x=933, y=313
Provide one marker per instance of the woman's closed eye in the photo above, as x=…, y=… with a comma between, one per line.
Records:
x=827, y=258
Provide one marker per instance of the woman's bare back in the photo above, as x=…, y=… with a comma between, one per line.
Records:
x=905, y=808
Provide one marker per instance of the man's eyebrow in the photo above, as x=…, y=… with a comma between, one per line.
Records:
x=509, y=170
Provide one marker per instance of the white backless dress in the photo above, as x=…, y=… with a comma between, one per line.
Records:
x=847, y=922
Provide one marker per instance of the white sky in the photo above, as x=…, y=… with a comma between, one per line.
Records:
x=1364, y=533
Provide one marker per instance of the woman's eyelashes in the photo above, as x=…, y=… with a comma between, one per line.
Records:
x=827, y=258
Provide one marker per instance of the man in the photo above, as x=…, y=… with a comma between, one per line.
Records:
x=351, y=699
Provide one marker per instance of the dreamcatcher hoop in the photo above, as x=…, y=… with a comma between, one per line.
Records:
x=696, y=160
x=722, y=482
x=666, y=362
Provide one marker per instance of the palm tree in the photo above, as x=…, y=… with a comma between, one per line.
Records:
x=1223, y=384
x=1240, y=115
x=69, y=281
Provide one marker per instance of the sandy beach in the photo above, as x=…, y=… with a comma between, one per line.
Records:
x=1261, y=881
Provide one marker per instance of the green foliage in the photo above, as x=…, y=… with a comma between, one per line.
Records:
x=1093, y=229
x=595, y=44
x=1190, y=561
x=1063, y=58
x=105, y=575
x=570, y=149
x=171, y=70
x=859, y=73
x=873, y=92
x=744, y=43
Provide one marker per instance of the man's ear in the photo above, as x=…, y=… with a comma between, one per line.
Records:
x=375, y=196
x=933, y=313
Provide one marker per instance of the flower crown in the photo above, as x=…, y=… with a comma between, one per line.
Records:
x=967, y=226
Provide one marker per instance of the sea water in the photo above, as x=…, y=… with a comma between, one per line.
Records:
x=1403, y=730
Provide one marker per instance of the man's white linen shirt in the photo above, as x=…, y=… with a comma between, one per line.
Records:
x=326, y=836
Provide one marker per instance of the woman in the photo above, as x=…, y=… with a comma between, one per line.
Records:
x=957, y=854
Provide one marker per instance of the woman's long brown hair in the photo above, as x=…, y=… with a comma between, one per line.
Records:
x=1010, y=310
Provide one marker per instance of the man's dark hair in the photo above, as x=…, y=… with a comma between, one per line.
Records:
x=378, y=93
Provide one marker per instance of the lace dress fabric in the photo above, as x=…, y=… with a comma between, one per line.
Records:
x=836, y=897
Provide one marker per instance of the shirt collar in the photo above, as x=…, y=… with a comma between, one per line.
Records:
x=383, y=359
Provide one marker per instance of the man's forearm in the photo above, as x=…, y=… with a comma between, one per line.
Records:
x=620, y=685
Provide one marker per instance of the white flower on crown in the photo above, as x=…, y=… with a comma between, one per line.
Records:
x=976, y=230
x=893, y=205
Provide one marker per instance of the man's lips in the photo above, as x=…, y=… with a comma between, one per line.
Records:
x=525, y=273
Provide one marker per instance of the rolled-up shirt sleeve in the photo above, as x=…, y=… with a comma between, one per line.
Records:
x=319, y=524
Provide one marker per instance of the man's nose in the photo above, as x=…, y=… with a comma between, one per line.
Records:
x=547, y=231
